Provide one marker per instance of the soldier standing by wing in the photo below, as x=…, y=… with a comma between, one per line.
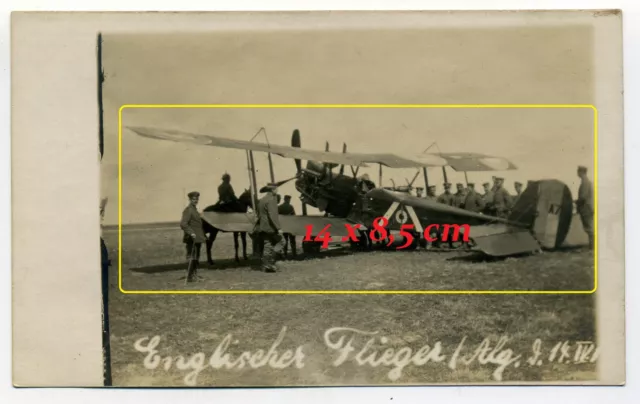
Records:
x=267, y=227
x=473, y=202
x=431, y=193
x=584, y=203
x=289, y=239
x=501, y=199
x=460, y=196
x=518, y=187
x=447, y=197
x=193, y=238
x=487, y=198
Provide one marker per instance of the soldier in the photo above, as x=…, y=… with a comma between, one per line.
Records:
x=431, y=193
x=267, y=227
x=501, y=199
x=487, y=198
x=494, y=180
x=474, y=201
x=584, y=203
x=419, y=192
x=364, y=184
x=460, y=196
x=289, y=239
x=193, y=238
x=518, y=187
x=225, y=190
x=447, y=197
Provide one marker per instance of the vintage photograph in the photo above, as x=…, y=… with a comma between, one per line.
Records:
x=350, y=206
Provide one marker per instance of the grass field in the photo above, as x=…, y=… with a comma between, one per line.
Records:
x=189, y=324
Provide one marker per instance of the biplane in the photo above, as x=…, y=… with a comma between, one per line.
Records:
x=541, y=218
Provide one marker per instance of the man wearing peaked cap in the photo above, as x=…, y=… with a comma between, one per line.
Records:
x=487, y=199
x=584, y=203
x=193, y=238
x=446, y=197
x=267, y=227
x=460, y=196
x=431, y=193
x=501, y=199
x=518, y=187
x=473, y=201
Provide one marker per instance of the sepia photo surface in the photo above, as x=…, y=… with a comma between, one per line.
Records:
x=330, y=199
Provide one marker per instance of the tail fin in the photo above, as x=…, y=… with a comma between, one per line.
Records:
x=546, y=208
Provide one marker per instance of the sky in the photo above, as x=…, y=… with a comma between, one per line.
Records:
x=523, y=65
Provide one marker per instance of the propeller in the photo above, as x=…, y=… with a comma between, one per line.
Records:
x=280, y=183
x=295, y=142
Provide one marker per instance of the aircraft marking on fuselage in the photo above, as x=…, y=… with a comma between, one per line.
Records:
x=412, y=214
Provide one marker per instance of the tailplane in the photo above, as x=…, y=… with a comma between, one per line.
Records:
x=546, y=209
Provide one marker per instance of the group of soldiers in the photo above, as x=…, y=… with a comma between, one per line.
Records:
x=266, y=231
x=495, y=200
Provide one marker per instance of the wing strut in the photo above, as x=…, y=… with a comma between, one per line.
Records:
x=252, y=178
x=426, y=179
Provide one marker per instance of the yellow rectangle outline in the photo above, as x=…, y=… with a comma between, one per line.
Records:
x=388, y=106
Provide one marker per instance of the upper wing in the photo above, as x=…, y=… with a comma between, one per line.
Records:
x=458, y=161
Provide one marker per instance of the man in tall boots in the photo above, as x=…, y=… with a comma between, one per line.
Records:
x=584, y=203
x=193, y=238
x=267, y=227
x=289, y=239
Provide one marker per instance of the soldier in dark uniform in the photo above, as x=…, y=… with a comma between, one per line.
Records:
x=193, y=238
x=225, y=190
x=518, y=187
x=289, y=239
x=267, y=227
x=584, y=203
x=364, y=184
x=487, y=198
x=431, y=193
x=501, y=199
x=460, y=196
x=447, y=197
x=474, y=201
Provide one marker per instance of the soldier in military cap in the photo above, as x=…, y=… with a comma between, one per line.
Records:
x=501, y=199
x=431, y=193
x=518, y=187
x=446, y=197
x=193, y=238
x=225, y=190
x=289, y=239
x=584, y=203
x=474, y=201
x=487, y=198
x=460, y=196
x=419, y=192
x=267, y=227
